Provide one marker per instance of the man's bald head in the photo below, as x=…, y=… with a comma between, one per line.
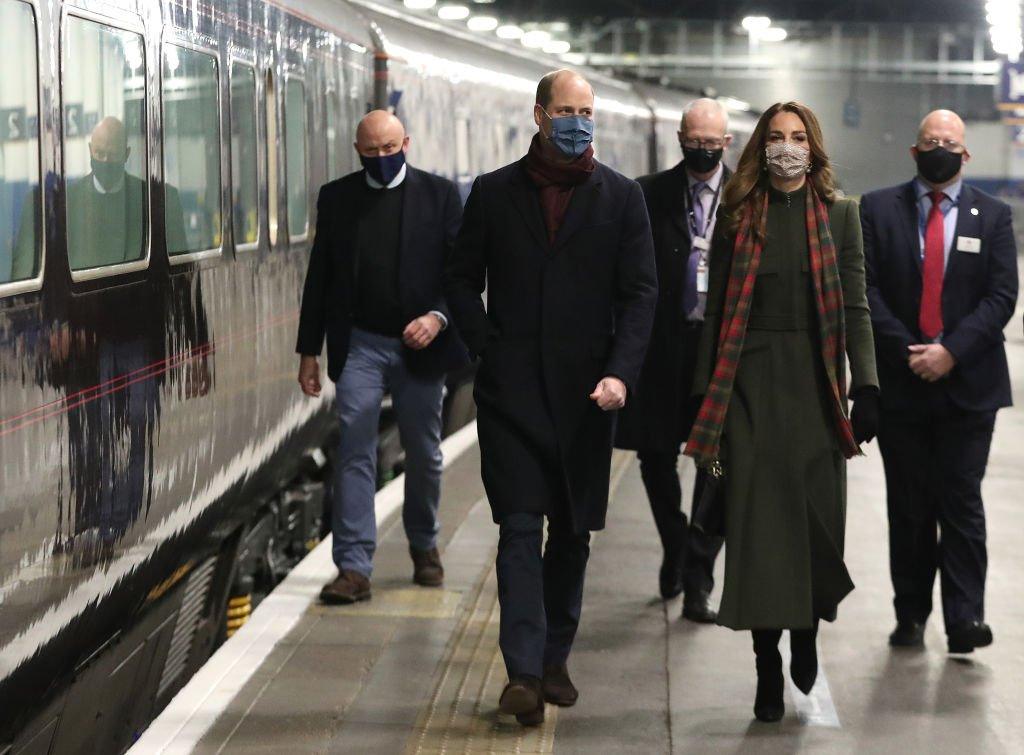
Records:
x=942, y=124
x=559, y=94
x=109, y=141
x=380, y=133
x=704, y=114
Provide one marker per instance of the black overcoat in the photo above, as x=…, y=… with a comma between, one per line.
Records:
x=558, y=318
x=660, y=417
x=431, y=211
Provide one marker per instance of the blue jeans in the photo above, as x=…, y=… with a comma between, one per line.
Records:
x=375, y=364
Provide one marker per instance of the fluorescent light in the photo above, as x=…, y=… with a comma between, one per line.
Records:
x=756, y=23
x=1004, y=18
x=772, y=34
x=452, y=12
x=557, y=47
x=482, y=23
x=536, y=38
x=420, y=4
x=509, y=31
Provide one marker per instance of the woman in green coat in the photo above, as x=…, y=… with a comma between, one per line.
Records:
x=786, y=305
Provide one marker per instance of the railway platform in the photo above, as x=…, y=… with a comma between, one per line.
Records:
x=417, y=670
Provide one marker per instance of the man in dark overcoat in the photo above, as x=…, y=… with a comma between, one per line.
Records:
x=942, y=281
x=564, y=246
x=682, y=202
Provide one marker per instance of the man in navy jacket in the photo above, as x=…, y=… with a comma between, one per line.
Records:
x=942, y=283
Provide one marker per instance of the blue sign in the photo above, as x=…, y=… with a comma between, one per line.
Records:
x=851, y=113
x=12, y=124
x=1011, y=85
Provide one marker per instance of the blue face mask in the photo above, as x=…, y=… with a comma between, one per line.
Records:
x=383, y=169
x=572, y=134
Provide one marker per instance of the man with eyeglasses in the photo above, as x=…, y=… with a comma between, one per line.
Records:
x=682, y=203
x=941, y=265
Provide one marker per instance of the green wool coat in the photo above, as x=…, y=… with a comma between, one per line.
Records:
x=785, y=483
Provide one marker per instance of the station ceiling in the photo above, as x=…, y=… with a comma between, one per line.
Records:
x=894, y=11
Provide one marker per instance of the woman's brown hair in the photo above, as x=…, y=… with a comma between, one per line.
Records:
x=750, y=181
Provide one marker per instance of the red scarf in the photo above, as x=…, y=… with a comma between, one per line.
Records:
x=703, y=444
x=556, y=180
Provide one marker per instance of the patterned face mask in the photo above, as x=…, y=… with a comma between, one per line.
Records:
x=787, y=160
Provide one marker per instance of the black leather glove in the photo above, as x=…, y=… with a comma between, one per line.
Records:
x=864, y=414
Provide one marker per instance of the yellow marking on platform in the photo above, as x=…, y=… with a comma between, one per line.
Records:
x=413, y=602
x=462, y=715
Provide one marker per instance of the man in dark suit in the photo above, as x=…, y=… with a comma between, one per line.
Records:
x=942, y=283
x=682, y=202
x=564, y=245
x=374, y=288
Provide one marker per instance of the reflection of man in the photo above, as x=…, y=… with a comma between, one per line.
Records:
x=373, y=288
x=942, y=282
x=564, y=246
x=681, y=202
x=106, y=207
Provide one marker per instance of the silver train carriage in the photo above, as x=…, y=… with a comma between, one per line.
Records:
x=157, y=461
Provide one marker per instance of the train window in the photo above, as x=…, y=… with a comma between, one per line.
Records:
x=192, y=198
x=20, y=225
x=104, y=98
x=244, y=175
x=295, y=155
x=334, y=143
x=272, y=174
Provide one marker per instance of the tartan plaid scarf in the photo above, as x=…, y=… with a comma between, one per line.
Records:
x=705, y=437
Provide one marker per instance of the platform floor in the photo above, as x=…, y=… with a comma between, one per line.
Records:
x=418, y=671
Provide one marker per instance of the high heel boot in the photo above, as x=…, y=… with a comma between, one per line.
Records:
x=768, y=705
x=803, y=664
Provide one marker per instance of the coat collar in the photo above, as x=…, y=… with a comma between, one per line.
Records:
x=678, y=184
x=525, y=198
x=907, y=206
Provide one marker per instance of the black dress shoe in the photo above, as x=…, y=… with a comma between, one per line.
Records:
x=534, y=717
x=695, y=608
x=670, y=576
x=963, y=638
x=907, y=634
x=521, y=696
x=558, y=687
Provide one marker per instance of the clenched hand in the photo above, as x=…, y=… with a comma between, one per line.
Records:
x=610, y=394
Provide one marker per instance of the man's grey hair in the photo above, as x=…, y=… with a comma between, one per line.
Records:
x=704, y=103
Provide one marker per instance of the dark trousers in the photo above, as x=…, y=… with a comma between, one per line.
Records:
x=660, y=474
x=540, y=596
x=933, y=472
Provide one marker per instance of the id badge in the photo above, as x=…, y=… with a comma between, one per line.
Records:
x=702, y=276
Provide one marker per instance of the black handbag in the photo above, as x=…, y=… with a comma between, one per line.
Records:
x=708, y=512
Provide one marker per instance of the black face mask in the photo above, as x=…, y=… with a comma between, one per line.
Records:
x=938, y=165
x=702, y=160
x=108, y=174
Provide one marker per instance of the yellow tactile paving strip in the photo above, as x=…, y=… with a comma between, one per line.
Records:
x=462, y=715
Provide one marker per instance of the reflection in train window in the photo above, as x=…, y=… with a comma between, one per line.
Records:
x=191, y=150
x=295, y=149
x=244, y=173
x=334, y=143
x=272, y=146
x=104, y=97
x=19, y=145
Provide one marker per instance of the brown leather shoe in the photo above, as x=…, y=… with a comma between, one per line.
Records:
x=427, y=569
x=558, y=687
x=534, y=717
x=521, y=696
x=349, y=587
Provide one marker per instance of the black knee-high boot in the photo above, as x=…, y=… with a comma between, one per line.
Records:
x=768, y=705
x=803, y=664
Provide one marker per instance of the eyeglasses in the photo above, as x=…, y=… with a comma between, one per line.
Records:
x=927, y=145
x=704, y=143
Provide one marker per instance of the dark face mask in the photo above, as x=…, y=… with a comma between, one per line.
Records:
x=701, y=160
x=383, y=169
x=108, y=174
x=938, y=165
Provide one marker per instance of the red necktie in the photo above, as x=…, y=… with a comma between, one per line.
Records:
x=930, y=318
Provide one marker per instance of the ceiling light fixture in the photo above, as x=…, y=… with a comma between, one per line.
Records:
x=452, y=12
x=557, y=47
x=772, y=34
x=756, y=23
x=482, y=23
x=1004, y=19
